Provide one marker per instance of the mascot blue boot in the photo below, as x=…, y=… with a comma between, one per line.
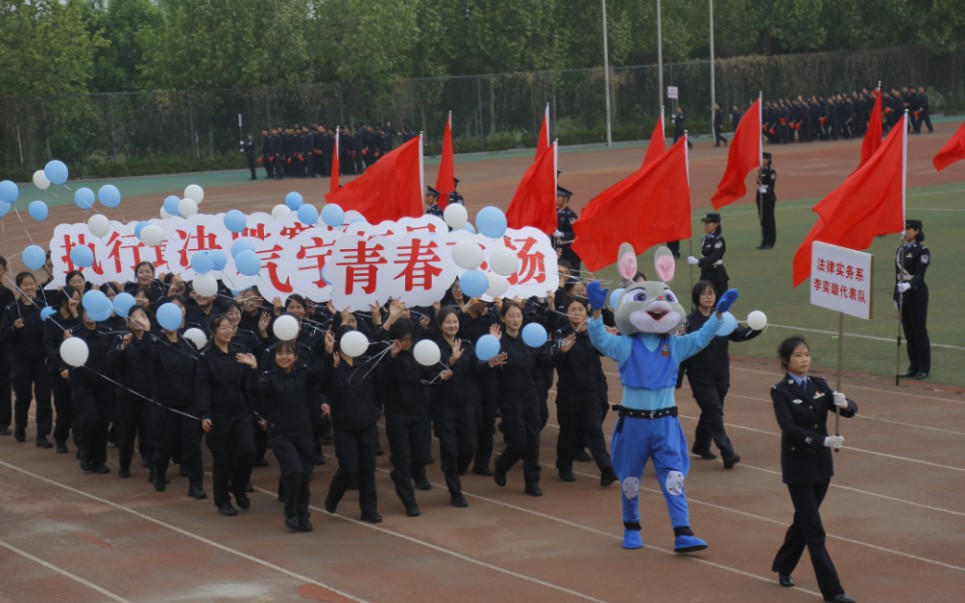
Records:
x=649, y=353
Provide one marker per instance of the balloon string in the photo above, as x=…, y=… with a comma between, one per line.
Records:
x=374, y=360
x=25, y=230
x=140, y=395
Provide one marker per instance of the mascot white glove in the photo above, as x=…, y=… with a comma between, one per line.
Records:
x=840, y=400
x=835, y=441
x=902, y=287
x=692, y=260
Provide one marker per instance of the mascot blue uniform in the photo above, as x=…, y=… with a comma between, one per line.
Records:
x=649, y=353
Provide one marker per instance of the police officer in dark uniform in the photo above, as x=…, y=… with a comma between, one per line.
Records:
x=911, y=294
x=266, y=154
x=766, y=200
x=455, y=196
x=718, y=124
x=248, y=148
x=678, y=127
x=432, y=202
x=711, y=260
x=564, y=235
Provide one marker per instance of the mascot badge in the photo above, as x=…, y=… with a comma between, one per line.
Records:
x=649, y=353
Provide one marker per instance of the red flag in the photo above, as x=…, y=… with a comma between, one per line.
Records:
x=543, y=142
x=390, y=189
x=954, y=150
x=333, y=184
x=872, y=138
x=871, y=202
x=744, y=155
x=650, y=206
x=657, y=142
x=534, y=202
x=445, y=180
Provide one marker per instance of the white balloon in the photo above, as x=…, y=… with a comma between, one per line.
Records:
x=196, y=336
x=455, y=216
x=187, y=207
x=152, y=235
x=467, y=254
x=757, y=320
x=285, y=328
x=99, y=225
x=497, y=284
x=353, y=216
x=74, y=351
x=280, y=210
x=427, y=352
x=205, y=284
x=164, y=214
x=503, y=261
x=40, y=180
x=354, y=343
x=194, y=192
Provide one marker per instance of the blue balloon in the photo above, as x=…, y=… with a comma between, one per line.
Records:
x=34, y=256
x=84, y=198
x=4, y=208
x=727, y=325
x=241, y=245
x=491, y=222
x=473, y=283
x=201, y=262
x=171, y=204
x=469, y=228
x=333, y=215
x=101, y=316
x=9, y=191
x=109, y=196
x=47, y=312
x=324, y=276
x=219, y=258
x=169, y=316
x=94, y=301
x=294, y=200
x=37, y=210
x=235, y=220
x=615, y=297
x=307, y=214
x=82, y=256
x=123, y=302
x=138, y=228
x=56, y=171
x=487, y=347
x=248, y=263
x=534, y=335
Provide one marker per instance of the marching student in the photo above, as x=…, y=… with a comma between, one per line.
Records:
x=802, y=405
x=134, y=376
x=91, y=395
x=66, y=318
x=475, y=320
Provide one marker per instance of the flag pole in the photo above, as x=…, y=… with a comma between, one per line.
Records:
x=837, y=380
x=901, y=297
x=690, y=240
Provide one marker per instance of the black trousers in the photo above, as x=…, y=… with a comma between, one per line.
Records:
x=409, y=441
x=455, y=426
x=130, y=419
x=31, y=381
x=93, y=409
x=297, y=461
x=268, y=165
x=765, y=209
x=710, y=393
x=718, y=276
x=6, y=400
x=807, y=531
x=355, y=451
x=64, y=424
x=914, y=318
x=252, y=167
x=521, y=426
x=580, y=417
x=232, y=445
x=176, y=435
x=485, y=424
x=718, y=137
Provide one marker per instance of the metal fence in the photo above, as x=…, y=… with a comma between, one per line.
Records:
x=489, y=111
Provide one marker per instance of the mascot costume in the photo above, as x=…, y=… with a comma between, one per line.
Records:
x=649, y=353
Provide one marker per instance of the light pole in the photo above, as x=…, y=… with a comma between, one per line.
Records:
x=606, y=77
x=713, y=91
x=659, y=55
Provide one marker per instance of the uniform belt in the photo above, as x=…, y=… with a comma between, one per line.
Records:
x=718, y=263
x=634, y=413
x=906, y=277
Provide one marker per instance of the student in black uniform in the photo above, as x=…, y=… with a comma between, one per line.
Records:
x=285, y=394
x=145, y=281
x=22, y=332
x=517, y=368
x=802, y=405
x=708, y=373
x=911, y=295
x=131, y=416
x=66, y=318
x=766, y=200
x=91, y=396
x=6, y=403
x=354, y=408
x=225, y=415
x=712, y=250
x=581, y=395
x=476, y=320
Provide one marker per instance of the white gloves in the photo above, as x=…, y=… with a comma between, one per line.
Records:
x=762, y=190
x=834, y=441
x=557, y=234
x=840, y=400
x=692, y=260
x=902, y=287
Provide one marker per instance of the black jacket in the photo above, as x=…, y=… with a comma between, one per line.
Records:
x=221, y=383
x=25, y=344
x=286, y=400
x=351, y=394
x=174, y=370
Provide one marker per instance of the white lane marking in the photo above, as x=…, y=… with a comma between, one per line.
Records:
x=63, y=572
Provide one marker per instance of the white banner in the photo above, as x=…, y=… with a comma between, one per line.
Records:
x=355, y=265
x=841, y=279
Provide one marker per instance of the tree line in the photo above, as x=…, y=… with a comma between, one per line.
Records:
x=55, y=47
